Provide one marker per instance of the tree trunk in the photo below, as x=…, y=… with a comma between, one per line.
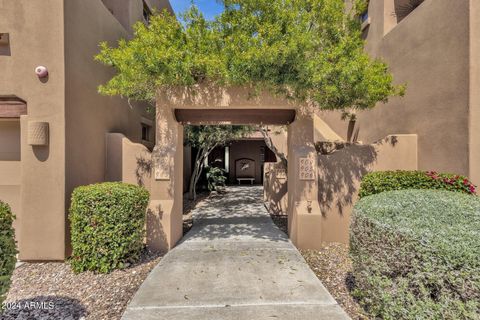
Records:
x=269, y=143
x=197, y=171
x=192, y=192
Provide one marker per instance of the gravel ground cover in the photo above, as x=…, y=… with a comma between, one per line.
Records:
x=188, y=206
x=333, y=267
x=50, y=290
x=281, y=221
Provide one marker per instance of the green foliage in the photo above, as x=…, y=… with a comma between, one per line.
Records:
x=107, y=223
x=8, y=249
x=215, y=179
x=416, y=254
x=307, y=50
x=209, y=137
x=381, y=181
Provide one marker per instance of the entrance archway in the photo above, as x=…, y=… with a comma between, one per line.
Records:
x=214, y=105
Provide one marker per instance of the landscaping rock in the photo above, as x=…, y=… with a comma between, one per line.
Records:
x=51, y=291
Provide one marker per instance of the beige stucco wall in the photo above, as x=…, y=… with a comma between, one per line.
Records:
x=340, y=174
x=127, y=12
x=275, y=188
x=428, y=50
x=36, y=38
x=474, y=103
x=89, y=116
x=10, y=140
x=278, y=134
x=64, y=37
x=127, y=161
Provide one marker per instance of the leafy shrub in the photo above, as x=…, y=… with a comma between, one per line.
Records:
x=416, y=254
x=107, y=226
x=215, y=178
x=381, y=181
x=8, y=249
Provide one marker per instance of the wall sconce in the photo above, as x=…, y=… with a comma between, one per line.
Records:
x=38, y=133
x=41, y=71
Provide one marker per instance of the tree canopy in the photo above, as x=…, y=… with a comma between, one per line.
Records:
x=307, y=50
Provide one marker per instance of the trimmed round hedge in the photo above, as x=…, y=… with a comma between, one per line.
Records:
x=382, y=181
x=107, y=222
x=8, y=250
x=416, y=254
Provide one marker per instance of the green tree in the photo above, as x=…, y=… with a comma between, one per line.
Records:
x=205, y=139
x=307, y=50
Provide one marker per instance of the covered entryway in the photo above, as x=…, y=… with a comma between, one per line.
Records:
x=234, y=264
x=215, y=105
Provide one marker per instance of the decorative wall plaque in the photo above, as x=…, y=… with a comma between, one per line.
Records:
x=307, y=169
x=162, y=163
x=244, y=168
x=161, y=173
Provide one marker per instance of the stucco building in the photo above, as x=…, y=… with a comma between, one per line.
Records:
x=57, y=132
x=52, y=128
x=433, y=46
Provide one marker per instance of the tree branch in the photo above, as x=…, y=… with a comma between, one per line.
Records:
x=271, y=146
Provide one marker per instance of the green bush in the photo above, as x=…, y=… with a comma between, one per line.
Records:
x=107, y=223
x=381, y=181
x=8, y=249
x=215, y=178
x=416, y=254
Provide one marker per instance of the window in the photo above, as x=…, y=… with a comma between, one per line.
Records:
x=4, y=44
x=404, y=7
x=146, y=12
x=365, y=24
x=146, y=132
x=364, y=16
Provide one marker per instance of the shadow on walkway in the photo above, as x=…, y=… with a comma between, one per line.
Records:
x=233, y=264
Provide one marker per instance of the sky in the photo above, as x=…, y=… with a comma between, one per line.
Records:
x=209, y=8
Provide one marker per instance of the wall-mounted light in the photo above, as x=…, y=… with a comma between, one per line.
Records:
x=41, y=71
x=38, y=133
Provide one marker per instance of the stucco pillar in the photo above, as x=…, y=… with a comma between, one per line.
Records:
x=164, y=215
x=304, y=216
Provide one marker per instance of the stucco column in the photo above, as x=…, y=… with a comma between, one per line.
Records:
x=304, y=216
x=164, y=215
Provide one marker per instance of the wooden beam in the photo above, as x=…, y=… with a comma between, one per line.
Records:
x=235, y=116
x=12, y=107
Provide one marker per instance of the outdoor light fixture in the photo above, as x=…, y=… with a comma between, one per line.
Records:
x=41, y=71
x=38, y=133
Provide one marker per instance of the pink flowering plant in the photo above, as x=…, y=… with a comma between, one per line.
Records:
x=452, y=182
x=381, y=181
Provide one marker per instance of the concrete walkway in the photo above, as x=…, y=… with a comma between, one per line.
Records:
x=234, y=264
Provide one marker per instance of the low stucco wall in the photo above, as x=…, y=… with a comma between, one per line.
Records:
x=132, y=163
x=340, y=174
x=127, y=161
x=339, y=177
x=275, y=188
